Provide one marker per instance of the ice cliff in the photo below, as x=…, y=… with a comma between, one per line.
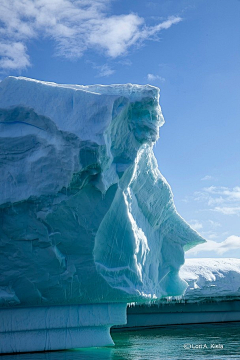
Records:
x=86, y=216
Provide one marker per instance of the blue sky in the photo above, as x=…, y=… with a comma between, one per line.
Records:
x=188, y=48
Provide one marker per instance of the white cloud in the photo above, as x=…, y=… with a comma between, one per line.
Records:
x=207, y=177
x=75, y=26
x=214, y=224
x=152, y=78
x=210, y=235
x=233, y=193
x=220, y=199
x=196, y=225
x=116, y=34
x=226, y=210
x=219, y=248
x=164, y=25
x=13, y=56
x=104, y=70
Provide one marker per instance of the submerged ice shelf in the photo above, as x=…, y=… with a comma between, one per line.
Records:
x=86, y=216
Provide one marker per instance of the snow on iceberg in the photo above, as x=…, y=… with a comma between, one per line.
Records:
x=211, y=279
x=86, y=216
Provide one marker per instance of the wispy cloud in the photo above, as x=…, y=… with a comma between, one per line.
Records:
x=210, y=234
x=220, y=199
x=227, y=210
x=214, y=224
x=233, y=193
x=75, y=26
x=217, y=248
x=196, y=225
x=13, y=56
x=207, y=177
x=153, y=78
x=104, y=70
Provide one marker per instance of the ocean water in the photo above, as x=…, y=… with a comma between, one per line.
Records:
x=208, y=341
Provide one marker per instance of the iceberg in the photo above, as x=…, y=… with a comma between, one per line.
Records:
x=86, y=216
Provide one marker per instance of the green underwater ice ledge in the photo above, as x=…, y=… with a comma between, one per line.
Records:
x=86, y=216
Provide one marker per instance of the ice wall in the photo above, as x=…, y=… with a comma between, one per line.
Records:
x=86, y=216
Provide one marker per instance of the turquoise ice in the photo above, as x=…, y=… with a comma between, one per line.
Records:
x=86, y=216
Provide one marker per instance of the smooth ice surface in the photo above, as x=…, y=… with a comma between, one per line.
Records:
x=211, y=278
x=86, y=216
x=43, y=328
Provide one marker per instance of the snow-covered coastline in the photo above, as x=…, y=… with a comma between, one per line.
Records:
x=211, y=278
x=212, y=296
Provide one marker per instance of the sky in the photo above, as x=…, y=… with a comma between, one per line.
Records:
x=190, y=49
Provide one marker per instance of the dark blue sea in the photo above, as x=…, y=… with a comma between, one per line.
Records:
x=210, y=341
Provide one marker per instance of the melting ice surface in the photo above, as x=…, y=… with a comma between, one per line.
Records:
x=86, y=216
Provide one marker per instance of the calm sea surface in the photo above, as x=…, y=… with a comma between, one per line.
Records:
x=211, y=341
